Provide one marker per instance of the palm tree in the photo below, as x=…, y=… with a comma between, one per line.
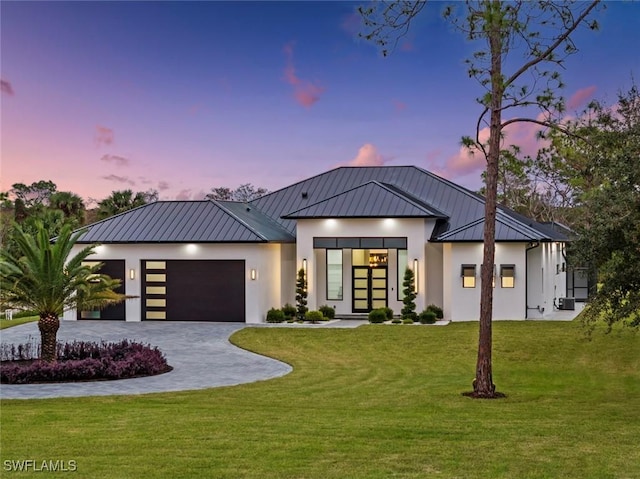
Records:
x=70, y=204
x=124, y=200
x=42, y=278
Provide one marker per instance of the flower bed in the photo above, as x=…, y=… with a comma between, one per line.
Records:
x=81, y=361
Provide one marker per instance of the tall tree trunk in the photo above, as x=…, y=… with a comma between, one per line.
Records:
x=483, y=386
x=48, y=325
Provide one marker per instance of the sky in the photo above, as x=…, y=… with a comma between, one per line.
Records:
x=182, y=97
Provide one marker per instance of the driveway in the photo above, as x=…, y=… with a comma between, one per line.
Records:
x=200, y=353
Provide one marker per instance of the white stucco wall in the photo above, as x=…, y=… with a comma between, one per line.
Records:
x=416, y=230
x=547, y=280
x=463, y=304
x=264, y=292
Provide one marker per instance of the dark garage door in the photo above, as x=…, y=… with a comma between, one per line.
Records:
x=193, y=290
x=115, y=269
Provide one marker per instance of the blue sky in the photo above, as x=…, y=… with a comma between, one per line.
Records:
x=185, y=96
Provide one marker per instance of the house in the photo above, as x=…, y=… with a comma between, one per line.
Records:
x=354, y=230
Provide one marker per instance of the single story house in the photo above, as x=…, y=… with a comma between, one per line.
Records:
x=354, y=230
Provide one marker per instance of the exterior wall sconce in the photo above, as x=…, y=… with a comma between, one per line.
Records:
x=132, y=273
x=415, y=275
x=304, y=266
x=254, y=274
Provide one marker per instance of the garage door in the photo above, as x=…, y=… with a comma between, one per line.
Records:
x=115, y=269
x=193, y=290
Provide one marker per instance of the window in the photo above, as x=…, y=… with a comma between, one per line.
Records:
x=403, y=262
x=507, y=275
x=468, y=274
x=334, y=274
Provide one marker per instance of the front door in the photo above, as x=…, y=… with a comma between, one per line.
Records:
x=369, y=288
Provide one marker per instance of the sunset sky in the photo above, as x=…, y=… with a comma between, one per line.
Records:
x=182, y=97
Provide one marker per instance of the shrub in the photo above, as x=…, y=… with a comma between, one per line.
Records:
x=396, y=321
x=388, y=312
x=377, y=316
x=409, y=308
x=437, y=310
x=82, y=361
x=407, y=321
x=275, y=316
x=427, y=317
x=313, y=316
x=301, y=294
x=289, y=311
x=328, y=312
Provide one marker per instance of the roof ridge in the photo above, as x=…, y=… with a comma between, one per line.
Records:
x=405, y=195
x=240, y=220
x=262, y=214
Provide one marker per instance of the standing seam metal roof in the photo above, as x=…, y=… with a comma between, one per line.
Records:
x=185, y=222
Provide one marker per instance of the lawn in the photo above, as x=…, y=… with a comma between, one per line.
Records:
x=378, y=401
x=7, y=323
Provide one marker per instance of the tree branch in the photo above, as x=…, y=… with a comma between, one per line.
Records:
x=553, y=46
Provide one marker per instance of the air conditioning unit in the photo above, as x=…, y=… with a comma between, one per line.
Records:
x=567, y=304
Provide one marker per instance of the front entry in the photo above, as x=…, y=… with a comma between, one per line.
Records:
x=369, y=288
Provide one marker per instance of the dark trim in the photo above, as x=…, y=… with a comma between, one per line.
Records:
x=331, y=242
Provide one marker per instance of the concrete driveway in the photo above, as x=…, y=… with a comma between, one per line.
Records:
x=200, y=354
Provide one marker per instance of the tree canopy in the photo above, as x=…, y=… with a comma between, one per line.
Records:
x=244, y=192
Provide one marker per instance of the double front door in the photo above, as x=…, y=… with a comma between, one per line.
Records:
x=369, y=288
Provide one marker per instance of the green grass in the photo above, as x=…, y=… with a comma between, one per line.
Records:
x=374, y=402
x=5, y=323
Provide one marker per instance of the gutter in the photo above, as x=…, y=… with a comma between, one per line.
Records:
x=530, y=246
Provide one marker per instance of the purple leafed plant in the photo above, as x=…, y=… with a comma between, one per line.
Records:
x=81, y=361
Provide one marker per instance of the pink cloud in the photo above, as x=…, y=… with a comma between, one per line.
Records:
x=351, y=24
x=116, y=160
x=399, y=105
x=305, y=92
x=103, y=136
x=118, y=179
x=368, y=156
x=183, y=195
x=163, y=185
x=6, y=87
x=580, y=97
x=407, y=46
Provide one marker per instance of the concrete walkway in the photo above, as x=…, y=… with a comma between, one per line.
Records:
x=200, y=354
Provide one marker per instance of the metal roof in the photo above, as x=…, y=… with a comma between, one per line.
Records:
x=182, y=222
x=355, y=192
x=461, y=206
x=370, y=200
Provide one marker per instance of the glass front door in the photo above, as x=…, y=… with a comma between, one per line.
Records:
x=369, y=288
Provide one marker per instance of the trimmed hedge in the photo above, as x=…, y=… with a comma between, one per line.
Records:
x=84, y=361
x=275, y=316
x=377, y=316
x=313, y=316
x=427, y=317
x=328, y=312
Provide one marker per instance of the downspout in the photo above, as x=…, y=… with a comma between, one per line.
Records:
x=530, y=246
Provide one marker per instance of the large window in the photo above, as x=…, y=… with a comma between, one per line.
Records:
x=468, y=274
x=402, y=266
x=334, y=274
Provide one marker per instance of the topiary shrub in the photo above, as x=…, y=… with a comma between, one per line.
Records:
x=301, y=295
x=377, y=316
x=289, y=311
x=427, y=317
x=407, y=321
x=85, y=361
x=437, y=310
x=327, y=311
x=275, y=316
x=409, y=308
x=388, y=311
x=313, y=316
